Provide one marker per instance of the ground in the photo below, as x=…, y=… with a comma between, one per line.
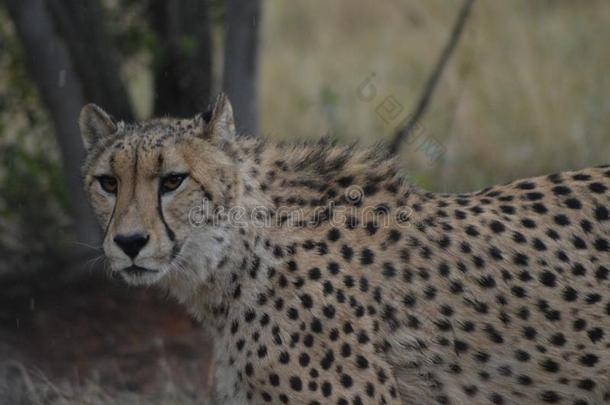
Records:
x=84, y=333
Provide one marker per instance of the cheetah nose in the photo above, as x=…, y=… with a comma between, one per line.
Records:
x=131, y=244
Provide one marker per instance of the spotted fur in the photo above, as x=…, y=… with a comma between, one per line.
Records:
x=361, y=288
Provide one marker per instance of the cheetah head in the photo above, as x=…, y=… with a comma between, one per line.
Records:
x=149, y=184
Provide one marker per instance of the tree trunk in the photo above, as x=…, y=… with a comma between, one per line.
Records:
x=81, y=24
x=240, y=76
x=183, y=59
x=61, y=91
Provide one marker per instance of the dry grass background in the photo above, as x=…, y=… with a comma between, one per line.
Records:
x=527, y=92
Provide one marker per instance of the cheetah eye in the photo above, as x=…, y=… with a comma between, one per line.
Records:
x=108, y=183
x=171, y=182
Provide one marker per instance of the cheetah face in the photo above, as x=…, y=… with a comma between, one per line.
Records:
x=145, y=180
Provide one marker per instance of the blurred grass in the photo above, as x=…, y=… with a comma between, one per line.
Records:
x=527, y=91
x=22, y=386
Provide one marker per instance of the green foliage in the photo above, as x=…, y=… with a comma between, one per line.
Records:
x=217, y=12
x=128, y=24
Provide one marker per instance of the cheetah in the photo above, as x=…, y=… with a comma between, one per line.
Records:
x=324, y=277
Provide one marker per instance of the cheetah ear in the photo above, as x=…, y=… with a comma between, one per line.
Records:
x=94, y=124
x=218, y=121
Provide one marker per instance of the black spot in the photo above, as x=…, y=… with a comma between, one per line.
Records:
x=526, y=185
x=522, y=355
x=346, y=380
x=333, y=268
x=460, y=346
x=528, y=223
x=409, y=300
x=529, y=333
x=558, y=339
x=579, y=324
x=316, y=326
x=507, y=209
x=586, y=384
x=292, y=313
x=520, y=259
x=371, y=228
x=601, y=213
x=367, y=257
x=579, y=243
x=573, y=203
x=295, y=383
x=579, y=270
x=534, y=196
x=581, y=177
x=347, y=253
x=274, y=380
x=306, y=300
x=538, y=245
x=493, y=334
x=589, y=360
x=550, y=397
x=598, y=188
x=549, y=365
x=595, y=334
x=561, y=219
x=304, y=359
x=561, y=190
x=327, y=389
x=329, y=311
x=586, y=225
x=472, y=231
x=249, y=316
x=370, y=389
x=249, y=369
x=570, y=294
x=345, y=181
x=495, y=253
x=333, y=235
x=495, y=397
x=602, y=273
x=308, y=340
x=348, y=281
x=388, y=270
x=327, y=360
x=539, y=208
x=487, y=281
x=314, y=273
x=361, y=362
x=548, y=279
x=459, y=214
x=602, y=245
x=394, y=235
x=497, y=226
x=519, y=238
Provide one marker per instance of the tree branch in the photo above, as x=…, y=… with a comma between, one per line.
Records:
x=432, y=82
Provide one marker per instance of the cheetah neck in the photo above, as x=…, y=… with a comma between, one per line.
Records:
x=286, y=193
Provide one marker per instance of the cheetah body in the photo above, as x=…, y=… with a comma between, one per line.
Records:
x=347, y=285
